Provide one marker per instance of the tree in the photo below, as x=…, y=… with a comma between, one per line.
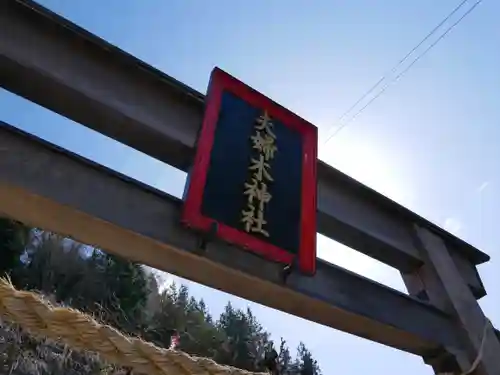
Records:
x=164, y=320
x=246, y=341
x=284, y=358
x=126, y=292
x=178, y=312
x=305, y=363
x=13, y=235
x=107, y=286
x=41, y=265
x=200, y=336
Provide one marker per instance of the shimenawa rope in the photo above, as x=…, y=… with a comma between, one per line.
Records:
x=479, y=356
x=82, y=332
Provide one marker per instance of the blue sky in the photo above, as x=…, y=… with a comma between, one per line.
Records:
x=429, y=142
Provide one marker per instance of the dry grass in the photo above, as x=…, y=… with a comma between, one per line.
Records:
x=23, y=354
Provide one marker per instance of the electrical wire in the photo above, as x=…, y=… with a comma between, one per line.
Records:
x=396, y=78
x=400, y=62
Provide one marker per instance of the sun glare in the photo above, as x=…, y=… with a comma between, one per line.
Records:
x=366, y=162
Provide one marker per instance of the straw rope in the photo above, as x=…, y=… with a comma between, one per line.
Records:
x=479, y=357
x=82, y=332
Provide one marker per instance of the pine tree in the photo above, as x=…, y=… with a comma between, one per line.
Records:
x=246, y=342
x=305, y=363
x=284, y=358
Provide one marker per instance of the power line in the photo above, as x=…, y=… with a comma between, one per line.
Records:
x=402, y=60
x=396, y=78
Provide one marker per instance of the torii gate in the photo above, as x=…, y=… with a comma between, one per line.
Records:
x=52, y=62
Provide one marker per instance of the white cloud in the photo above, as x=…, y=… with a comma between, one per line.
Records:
x=452, y=225
x=483, y=186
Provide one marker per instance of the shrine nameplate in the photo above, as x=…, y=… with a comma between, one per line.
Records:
x=254, y=175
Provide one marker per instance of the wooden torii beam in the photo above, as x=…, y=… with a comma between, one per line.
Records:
x=98, y=206
x=53, y=62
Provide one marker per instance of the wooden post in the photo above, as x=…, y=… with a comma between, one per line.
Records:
x=439, y=282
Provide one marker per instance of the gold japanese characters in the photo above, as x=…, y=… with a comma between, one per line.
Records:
x=256, y=189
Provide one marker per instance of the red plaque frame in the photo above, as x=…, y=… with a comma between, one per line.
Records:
x=192, y=216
